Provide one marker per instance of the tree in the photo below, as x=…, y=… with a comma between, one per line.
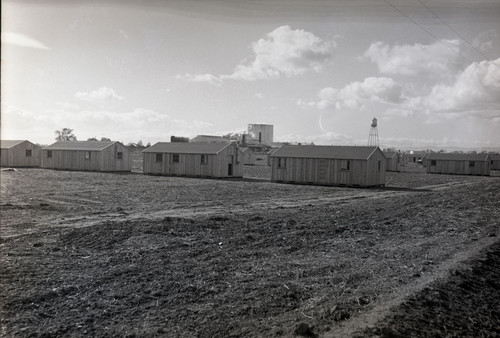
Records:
x=92, y=139
x=65, y=134
x=105, y=139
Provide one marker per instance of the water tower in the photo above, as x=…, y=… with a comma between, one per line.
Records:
x=373, y=137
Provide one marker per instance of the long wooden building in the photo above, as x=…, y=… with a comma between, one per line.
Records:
x=106, y=156
x=458, y=164
x=19, y=153
x=329, y=165
x=217, y=160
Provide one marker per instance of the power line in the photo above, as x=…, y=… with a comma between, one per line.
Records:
x=437, y=38
x=453, y=29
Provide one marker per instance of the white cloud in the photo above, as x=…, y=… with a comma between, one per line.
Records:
x=476, y=91
x=357, y=94
x=283, y=52
x=484, y=41
x=438, y=59
x=21, y=40
x=201, y=78
x=101, y=95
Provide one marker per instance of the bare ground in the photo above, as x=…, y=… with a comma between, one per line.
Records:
x=92, y=254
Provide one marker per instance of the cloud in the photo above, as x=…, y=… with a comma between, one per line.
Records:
x=101, y=95
x=21, y=40
x=484, y=41
x=475, y=91
x=357, y=94
x=439, y=58
x=284, y=52
x=202, y=78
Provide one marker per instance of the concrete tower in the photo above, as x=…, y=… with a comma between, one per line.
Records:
x=262, y=133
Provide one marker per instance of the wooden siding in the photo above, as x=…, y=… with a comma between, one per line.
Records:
x=103, y=160
x=217, y=165
x=393, y=163
x=16, y=155
x=458, y=167
x=495, y=162
x=363, y=173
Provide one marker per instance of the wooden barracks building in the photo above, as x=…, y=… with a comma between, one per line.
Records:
x=215, y=160
x=329, y=165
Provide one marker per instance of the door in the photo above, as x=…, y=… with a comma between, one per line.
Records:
x=322, y=171
x=230, y=160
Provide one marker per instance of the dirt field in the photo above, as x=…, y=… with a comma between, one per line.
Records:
x=94, y=254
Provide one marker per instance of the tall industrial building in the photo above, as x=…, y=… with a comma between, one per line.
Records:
x=263, y=133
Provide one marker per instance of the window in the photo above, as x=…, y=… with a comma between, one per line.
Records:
x=119, y=155
x=28, y=152
x=379, y=164
x=175, y=158
x=204, y=159
x=433, y=162
x=472, y=163
x=345, y=165
x=87, y=155
x=159, y=157
x=49, y=153
x=281, y=162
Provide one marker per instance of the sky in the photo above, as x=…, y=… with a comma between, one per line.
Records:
x=317, y=70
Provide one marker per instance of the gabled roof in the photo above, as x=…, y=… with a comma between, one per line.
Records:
x=325, y=152
x=80, y=145
x=495, y=157
x=7, y=144
x=187, y=148
x=458, y=157
x=390, y=154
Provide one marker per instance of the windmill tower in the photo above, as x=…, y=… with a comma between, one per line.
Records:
x=373, y=137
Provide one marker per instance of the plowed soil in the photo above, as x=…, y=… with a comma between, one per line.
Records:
x=93, y=254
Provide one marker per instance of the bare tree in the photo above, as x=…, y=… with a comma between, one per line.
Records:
x=65, y=134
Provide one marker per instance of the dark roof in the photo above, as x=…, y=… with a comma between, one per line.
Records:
x=458, y=157
x=80, y=145
x=495, y=157
x=330, y=152
x=390, y=154
x=187, y=148
x=7, y=144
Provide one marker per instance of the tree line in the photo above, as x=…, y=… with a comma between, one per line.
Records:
x=66, y=134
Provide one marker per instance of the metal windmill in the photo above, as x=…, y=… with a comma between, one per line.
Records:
x=373, y=137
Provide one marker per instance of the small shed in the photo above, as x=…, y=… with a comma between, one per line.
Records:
x=19, y=153
x=106, y=156
x=393, y=161
x=197, y=159
x=458, y=164
x=495, y=161
x=495, y=165
x=329, y=165
x=246, y=155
